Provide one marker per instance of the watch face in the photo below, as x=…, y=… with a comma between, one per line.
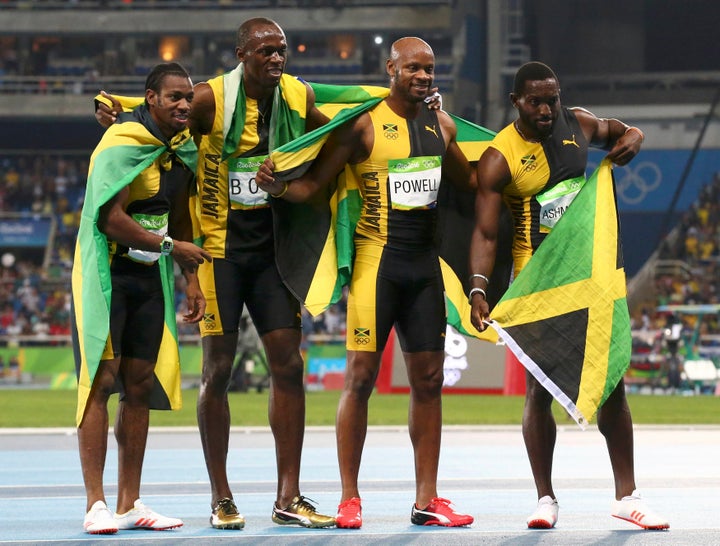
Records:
x=166, y=246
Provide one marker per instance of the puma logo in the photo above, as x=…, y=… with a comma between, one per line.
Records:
x=432, y=130
x=566, y=142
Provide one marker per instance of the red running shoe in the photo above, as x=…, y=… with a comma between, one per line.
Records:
x=349, y=515
x=439, y=512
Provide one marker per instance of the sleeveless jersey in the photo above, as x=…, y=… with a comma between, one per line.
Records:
x=153, y=193
x=400, y=179
x=235, y=215
x=537, y=170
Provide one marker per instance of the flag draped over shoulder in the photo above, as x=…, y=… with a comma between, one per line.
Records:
x=288, y=110
x=565, y=316
x=125, y=150
x=313, y=240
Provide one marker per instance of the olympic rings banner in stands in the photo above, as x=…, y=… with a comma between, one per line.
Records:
x=649, y=181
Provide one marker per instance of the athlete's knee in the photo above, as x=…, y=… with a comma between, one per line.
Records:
x=102, y=389
x=614, y=416
x=427, y=385
x=216, y=374
x=537, y=398
x=282, y=346
x=287, y=371
x=139, y=392
x=360, y=380
x=218, y=357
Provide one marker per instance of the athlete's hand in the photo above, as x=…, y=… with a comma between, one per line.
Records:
x=189, y=256
x=107, y=115
x=195, y=299
x=265, y=178
x=479, y=313
x=434, y=99
x=626, y=147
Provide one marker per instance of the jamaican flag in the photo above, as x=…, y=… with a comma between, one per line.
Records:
x=565, y=316
x=314, y=255
x=126, y=150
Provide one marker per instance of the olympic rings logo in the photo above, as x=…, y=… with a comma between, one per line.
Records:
x=634, y=182
x=362, y=340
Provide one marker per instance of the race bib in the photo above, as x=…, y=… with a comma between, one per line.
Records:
x=153, y=224
x=414, y=182
x=555, y=201
x=244, y=192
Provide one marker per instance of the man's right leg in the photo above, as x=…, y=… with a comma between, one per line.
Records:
x=213, y=414
x=221, y=282
x=92, y=442
x=351, y=428
x=539, y=432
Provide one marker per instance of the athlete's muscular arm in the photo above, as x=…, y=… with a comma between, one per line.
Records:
x=622, y=141
x=493, y=174
x=118, y=226
x=314, y=117
x=202, y=113
x=349, y=143
x=455, y=164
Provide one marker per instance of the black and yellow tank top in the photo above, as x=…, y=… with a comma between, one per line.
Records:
x=544, y=177
x=399, y=181
x=165, y=183
x=235, y=215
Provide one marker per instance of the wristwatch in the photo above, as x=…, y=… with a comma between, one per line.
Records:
x=166, y=246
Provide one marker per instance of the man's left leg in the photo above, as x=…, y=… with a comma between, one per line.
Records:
x=425, y=375
x=131, y=430
x=286, y=411
x=615, y=424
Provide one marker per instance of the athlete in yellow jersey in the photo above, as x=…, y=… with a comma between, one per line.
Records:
x=236, y=220
x=536, y=164
x=137, y=205
x=396, y=154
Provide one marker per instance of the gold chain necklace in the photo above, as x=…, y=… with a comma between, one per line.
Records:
x=262, y=112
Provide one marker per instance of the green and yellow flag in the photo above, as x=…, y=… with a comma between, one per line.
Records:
x=313, y=240
x=125, y=150
x=565, y=316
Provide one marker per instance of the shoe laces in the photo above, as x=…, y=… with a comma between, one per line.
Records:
x=354, y=501
x=635, y=495
x=303, y=503
x=228, y=507
x=439, y=500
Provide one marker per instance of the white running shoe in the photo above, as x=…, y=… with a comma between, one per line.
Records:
x=99, y=520
x=633, y=509
x=142, y=517
x=545, y=515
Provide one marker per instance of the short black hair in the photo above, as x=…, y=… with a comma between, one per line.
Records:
x=243, y=33
x=532, y=71
x=160, y=71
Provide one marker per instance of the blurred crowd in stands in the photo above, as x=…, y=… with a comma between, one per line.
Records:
x=695, y=247
x=34, y=294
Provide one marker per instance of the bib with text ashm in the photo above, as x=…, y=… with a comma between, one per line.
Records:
x=154, y=224
x=244, y=192
x=414, y=182
x=555, y=201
